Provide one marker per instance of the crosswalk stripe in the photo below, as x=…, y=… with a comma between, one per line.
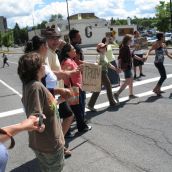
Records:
x=11, y=113
x=148, y=93
x=136, y=83
x=98, y=106
x=12, y=89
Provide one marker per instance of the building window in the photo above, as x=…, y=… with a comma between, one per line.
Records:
x=124, y=31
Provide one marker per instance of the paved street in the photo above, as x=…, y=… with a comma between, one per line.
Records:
x=132, y=137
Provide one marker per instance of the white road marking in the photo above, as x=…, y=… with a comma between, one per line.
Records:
x=136, y=83
x=148, y=93
x=12, y=89
x=165, y=64
x=98, y=106
x=11, y=113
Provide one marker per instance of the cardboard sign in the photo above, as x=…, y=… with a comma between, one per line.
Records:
x=91, y=77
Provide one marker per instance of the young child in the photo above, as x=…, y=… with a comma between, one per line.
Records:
x=48, y=146
x=68, y=53
x=102, y=60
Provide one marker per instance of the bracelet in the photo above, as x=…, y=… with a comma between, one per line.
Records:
x=5, y=132
x=2, y=131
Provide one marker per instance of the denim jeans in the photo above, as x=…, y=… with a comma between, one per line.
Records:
x=162, y=72
x=79, y=111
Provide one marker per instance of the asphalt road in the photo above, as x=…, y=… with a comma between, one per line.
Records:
x=132, y=137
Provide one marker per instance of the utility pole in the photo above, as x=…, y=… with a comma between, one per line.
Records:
x=68, y=14
x=171, y=14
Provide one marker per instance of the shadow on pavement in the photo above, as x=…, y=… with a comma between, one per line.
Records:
x=151, y=99
x=31, y=166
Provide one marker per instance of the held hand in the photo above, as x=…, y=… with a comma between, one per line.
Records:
x=81, y=67
x=118, y=70
x=65, y=93
x=144, y=59
x=32, y=123
x=63, y=75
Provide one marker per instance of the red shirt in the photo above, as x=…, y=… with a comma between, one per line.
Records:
x=76, y=78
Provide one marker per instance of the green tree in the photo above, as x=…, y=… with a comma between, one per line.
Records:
x=8, y=39
x=16, y=32
x=163, y=16
x=23, y=35
x=42, y=25
x=55, y=17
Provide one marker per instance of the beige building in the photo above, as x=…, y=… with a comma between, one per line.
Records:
x=92, y=28
x=3, y=24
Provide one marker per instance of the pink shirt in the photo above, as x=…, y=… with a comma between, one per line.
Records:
x=76, y=78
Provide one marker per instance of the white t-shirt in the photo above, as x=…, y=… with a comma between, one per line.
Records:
x=51, y=79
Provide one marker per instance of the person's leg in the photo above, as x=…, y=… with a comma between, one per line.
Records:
x=127, y=75
x=7, y=63
x=130, y=85
x=140, y=68
x=93, y=99
x=163, y=76
x=66, y=114
x=51, y=162
x=78, y=112
x=113, y=75
x=134, y=68
x=83, y=101
x=107, y=84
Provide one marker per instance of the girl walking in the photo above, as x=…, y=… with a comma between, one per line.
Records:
x=160, y=50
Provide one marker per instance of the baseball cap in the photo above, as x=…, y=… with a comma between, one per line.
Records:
x=101, y=45
x=51, y=32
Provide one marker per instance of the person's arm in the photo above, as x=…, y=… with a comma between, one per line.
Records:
x=137, y=57
x=151, y=49
x=166, y=52
x=113, y=67
x=29, y=124
x=63, y=92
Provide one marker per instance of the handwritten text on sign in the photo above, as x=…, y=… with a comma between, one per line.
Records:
x=91, y=77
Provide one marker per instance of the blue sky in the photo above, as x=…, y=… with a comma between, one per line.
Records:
x=24, y=12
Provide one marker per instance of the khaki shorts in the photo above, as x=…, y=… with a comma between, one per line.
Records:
x=51, y=162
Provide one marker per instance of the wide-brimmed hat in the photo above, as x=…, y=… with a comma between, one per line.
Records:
x=101, y=45
x=51, y=33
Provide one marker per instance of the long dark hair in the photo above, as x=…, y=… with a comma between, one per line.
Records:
x=125, y=40
x=160, y=35
x=64, y=52
x=34, y=44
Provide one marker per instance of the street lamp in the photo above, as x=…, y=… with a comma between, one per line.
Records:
x=68, y=14
x=171, y=14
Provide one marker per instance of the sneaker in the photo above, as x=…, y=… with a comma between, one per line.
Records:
x=116, y=96
x=92, y=109
x=112, y=104
x=135, y=77
x=87, y=128
x=142, y=75
x=69, y=135
x=132, y=96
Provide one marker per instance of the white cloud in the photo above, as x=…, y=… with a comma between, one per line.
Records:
x=26, y=10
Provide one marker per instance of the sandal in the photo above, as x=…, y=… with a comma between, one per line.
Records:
x=67, y=152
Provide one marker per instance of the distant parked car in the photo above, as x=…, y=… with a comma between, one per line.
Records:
x=168, y=38
x=151, y=40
